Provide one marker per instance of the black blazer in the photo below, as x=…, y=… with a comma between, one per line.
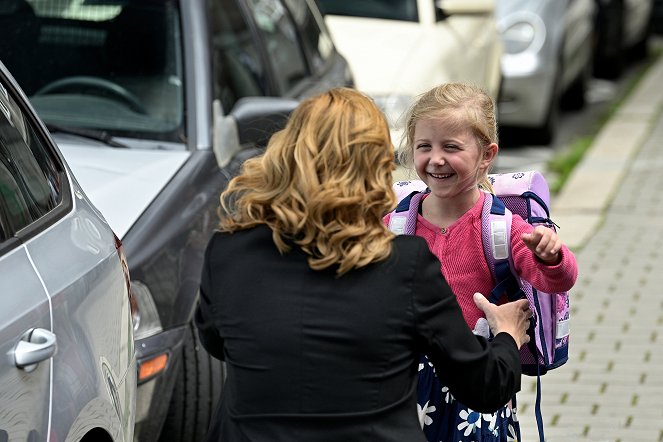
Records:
x=314, y=357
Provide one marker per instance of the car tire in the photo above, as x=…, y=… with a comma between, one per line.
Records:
x=640, y=49
x=197, y=389
x=574, y=97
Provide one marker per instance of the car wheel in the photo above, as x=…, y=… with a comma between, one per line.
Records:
x=197, y=389
x=640, y=50
x=609, y=61
x=574, y=96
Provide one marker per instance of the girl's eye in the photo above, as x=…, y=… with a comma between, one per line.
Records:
x=423, y=146
x=451, y=147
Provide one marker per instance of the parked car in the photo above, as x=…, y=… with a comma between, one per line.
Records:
x=150, y=104
x=624, y=28
x=657, y=17
x=398, y=49
x=547, y=60
x=68, y=370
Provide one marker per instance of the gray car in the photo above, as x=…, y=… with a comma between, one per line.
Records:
x=68, y=370
x=547, y=61
x=155, y=105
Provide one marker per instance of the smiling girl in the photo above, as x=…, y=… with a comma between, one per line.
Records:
x=451, y=142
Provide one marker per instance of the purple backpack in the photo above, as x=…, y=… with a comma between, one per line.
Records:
x=525, y=194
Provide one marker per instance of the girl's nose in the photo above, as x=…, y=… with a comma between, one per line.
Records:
x=438, y=158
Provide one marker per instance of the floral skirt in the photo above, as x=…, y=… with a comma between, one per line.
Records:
x=444, y=419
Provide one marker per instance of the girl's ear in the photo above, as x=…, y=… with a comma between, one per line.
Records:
x=489, y=155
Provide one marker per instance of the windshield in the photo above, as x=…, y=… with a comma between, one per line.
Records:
x=388, y=9
x=110, y=65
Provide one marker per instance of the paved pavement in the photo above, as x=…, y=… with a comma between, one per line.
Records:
x=611, y=214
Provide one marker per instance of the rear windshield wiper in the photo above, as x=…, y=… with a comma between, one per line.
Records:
x=93, y=134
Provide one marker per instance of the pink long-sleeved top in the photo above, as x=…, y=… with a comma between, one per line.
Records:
x=464, y=265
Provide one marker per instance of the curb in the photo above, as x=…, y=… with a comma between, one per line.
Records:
x=579, y=207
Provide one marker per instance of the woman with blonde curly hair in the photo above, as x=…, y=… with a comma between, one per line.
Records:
x=318, y=310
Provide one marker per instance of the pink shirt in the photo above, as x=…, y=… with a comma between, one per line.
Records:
x=464, y=265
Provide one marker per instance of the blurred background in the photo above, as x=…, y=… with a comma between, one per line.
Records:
x=554, y=67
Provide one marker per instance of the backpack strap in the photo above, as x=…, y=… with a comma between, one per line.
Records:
x=496, y=240
x=403, y=220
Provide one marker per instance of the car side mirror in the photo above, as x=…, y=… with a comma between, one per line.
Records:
x=251, y=123
x=446, y=8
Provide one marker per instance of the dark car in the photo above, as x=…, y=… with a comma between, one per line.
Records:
x=150, y=103
x=68, y=370
x=657, y=17
x=623, y=29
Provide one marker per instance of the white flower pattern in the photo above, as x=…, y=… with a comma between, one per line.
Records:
x=443, y=418
x=471, y=421
x=423, y=412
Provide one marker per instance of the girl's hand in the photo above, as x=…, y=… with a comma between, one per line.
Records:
x=545, y=244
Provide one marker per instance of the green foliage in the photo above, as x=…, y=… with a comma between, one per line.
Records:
x=560, y=166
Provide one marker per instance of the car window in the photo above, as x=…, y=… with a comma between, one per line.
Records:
x=279, y=34
x=238, y=70
x=110, y=65
x=315, y=38
x=30, y=178
x=405, y=10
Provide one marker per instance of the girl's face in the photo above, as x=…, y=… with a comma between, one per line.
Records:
x=448, y=158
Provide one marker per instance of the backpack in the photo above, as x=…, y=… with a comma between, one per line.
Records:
x=526, y=194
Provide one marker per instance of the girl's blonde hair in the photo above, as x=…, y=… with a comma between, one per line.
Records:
x=468, y=104
x=324, y=183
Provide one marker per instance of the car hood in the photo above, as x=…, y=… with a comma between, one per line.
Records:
x=121, y=183
x=380, y=52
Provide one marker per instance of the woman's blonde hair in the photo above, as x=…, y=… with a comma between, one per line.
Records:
x=468, y=104
x=324, y=183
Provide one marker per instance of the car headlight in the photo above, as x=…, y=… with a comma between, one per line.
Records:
x=522, y=32
x=147, y=322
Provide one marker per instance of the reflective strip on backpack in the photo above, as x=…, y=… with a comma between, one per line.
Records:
x=499, y=243
x=397, y=223
x=563, y=327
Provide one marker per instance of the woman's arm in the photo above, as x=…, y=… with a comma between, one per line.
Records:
x=483, y=375
x=204, y=316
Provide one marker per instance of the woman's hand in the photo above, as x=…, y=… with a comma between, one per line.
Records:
x=512, y=317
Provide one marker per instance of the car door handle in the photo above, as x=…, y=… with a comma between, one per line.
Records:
x=36, y=345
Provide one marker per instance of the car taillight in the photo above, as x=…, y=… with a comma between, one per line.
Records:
x=127, y=279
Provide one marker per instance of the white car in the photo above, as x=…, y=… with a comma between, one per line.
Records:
x=399, y=49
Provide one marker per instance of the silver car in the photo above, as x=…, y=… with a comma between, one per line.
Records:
x=68, y=370
x=547, y=61
x=155, y=105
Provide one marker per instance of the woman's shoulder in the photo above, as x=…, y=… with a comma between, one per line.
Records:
x=240, y=238
x=410, y=248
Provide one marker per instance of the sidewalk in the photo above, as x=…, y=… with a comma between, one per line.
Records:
x=611, y=214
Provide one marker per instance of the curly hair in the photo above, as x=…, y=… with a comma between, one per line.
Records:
x=468, y=105
x=324, y=183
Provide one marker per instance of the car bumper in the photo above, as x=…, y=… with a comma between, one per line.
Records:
x=151, y=413
x=525, y=94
